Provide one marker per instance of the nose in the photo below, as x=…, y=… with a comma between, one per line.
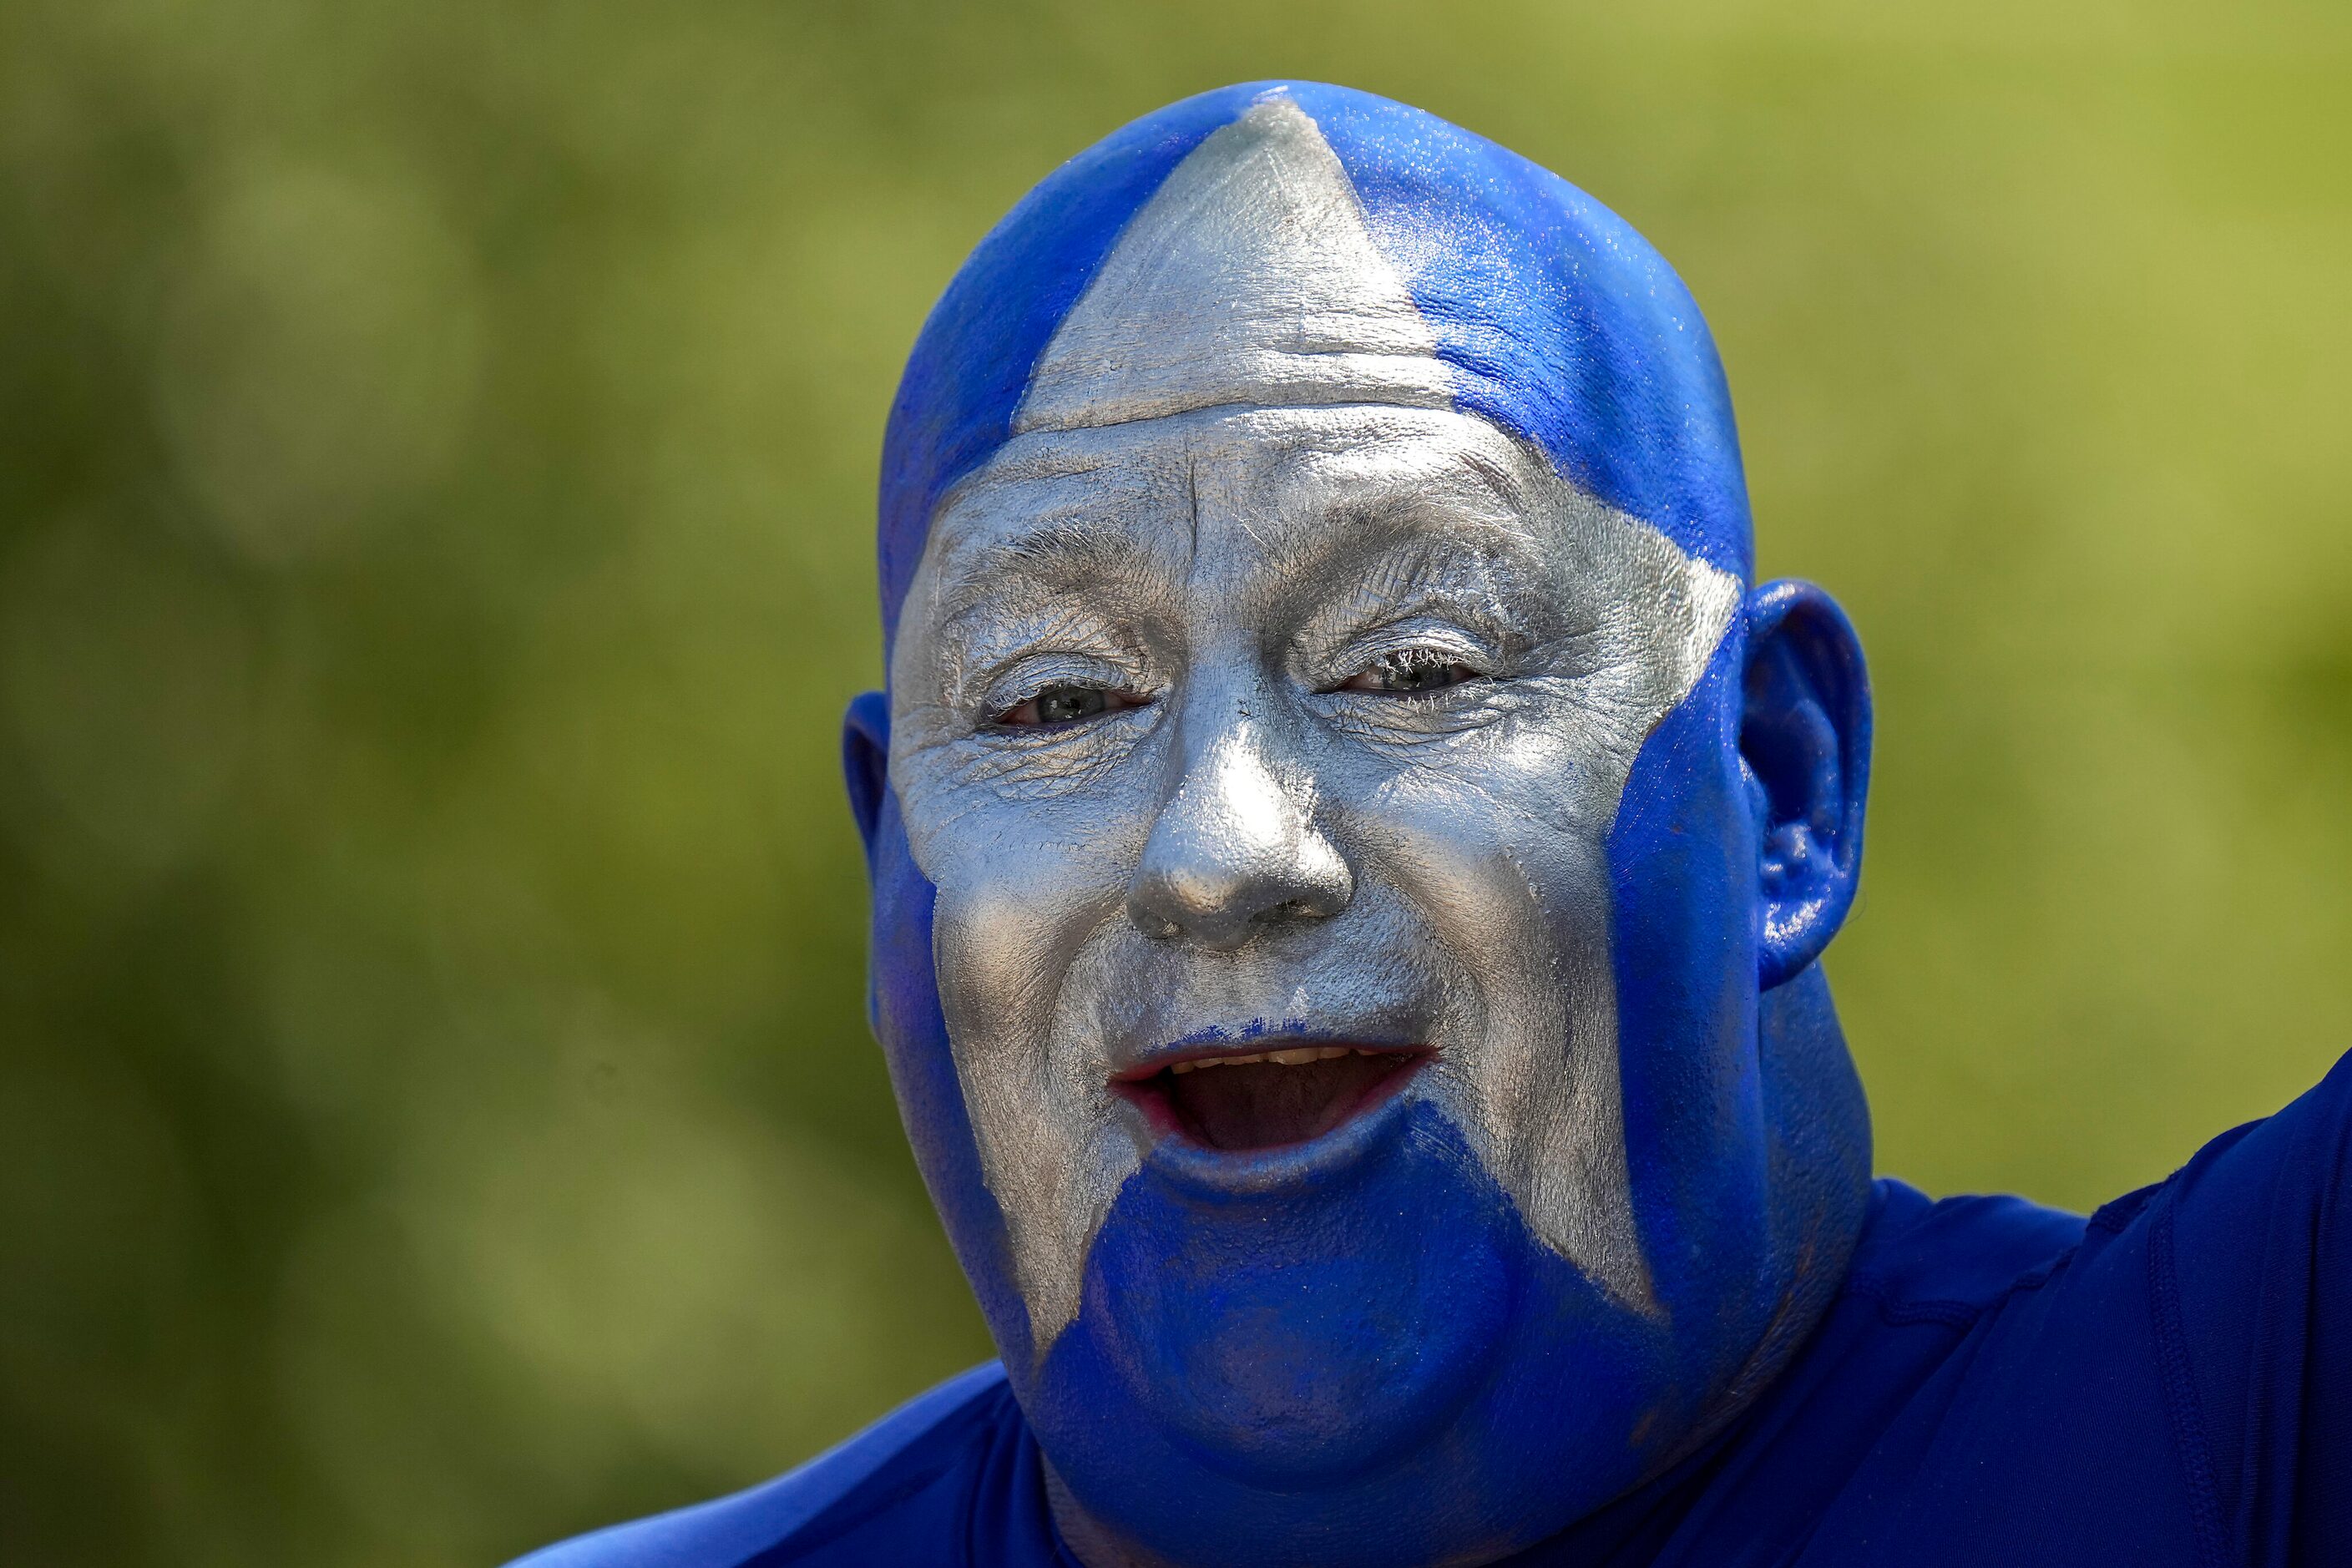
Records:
x=1235, y=850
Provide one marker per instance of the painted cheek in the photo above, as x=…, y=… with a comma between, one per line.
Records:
x=1531, y=1076
x=1024, y=901
x=1021, y=886
x=1000, y=956
x=913, y=1033
x=1685, y=966
x=1473, y=867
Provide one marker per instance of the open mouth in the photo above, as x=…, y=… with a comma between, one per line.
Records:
x=1238, y=1101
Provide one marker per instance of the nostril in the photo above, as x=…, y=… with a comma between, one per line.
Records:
x=1251, y=905
x=1153, y=925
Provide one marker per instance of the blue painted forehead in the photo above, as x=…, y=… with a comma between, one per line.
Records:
x=1547, y=315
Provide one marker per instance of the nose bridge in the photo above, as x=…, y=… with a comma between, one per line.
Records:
x=1236, y=847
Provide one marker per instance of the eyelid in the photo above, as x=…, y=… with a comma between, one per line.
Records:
x=1456, y=643
x=1031, y=675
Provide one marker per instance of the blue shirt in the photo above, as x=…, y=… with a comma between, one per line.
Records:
x=2166, y=1382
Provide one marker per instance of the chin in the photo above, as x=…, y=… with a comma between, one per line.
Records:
x=1322, y=1364
x=1303, y=1334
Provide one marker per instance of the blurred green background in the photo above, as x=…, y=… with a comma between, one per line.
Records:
x=436, y=453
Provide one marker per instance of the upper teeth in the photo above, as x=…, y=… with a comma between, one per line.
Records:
x=1298, y=1058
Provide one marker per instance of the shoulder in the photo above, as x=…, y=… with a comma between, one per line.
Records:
x=2157, y=1383
x=2281, y=1179
x=1949, y=1259
x=890, y=1462
x=2299, y=1158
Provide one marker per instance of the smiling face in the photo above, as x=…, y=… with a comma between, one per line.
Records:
x=1264, y=763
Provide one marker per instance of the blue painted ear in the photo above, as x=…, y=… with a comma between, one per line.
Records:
x=1804, y=752
x=866, y=760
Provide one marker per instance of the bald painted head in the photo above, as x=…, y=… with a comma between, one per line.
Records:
x=1350, y=852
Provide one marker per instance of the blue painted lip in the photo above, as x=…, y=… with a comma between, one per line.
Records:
x=1226, y=1173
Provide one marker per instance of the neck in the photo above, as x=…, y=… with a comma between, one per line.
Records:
x=1819, y=1165
x=1085, y=1537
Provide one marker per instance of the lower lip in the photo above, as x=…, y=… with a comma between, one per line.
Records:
x=1365, y=1124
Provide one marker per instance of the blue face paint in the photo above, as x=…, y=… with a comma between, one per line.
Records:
x=1619, y=1178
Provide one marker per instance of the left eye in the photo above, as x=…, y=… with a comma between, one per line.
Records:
x=1410, y=670
x=1066, y=705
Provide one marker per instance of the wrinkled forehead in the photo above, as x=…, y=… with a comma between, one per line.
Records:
x=1221, y=497
x=1277, y=468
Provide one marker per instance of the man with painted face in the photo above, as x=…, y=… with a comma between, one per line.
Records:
x=1351, y=858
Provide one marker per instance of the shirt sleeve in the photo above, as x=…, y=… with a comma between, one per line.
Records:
x=2250, y=1272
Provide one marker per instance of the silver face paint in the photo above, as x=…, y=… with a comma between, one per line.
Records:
x=1104, y=885
x=1249, y=278
x=1229, y=497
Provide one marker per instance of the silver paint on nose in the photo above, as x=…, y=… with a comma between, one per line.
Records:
x=1236, y=851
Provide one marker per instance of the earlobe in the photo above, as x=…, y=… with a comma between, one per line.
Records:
x=1804, y=749
x=866, y=760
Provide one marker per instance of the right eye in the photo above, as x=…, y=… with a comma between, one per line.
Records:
x=1066, y=704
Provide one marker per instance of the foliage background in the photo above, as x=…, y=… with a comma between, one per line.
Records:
x=435, y=448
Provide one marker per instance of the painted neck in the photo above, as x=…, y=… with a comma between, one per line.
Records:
x=1087, y=1538
x=1819, y=1164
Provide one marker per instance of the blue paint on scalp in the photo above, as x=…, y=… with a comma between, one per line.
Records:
x=1558, y=321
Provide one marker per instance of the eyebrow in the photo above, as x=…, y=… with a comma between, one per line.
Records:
x=1496, y=478
x=1496, y=592
x=1057, y=552
x=1390, y=518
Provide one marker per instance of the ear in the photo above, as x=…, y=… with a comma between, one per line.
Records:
x=1804, y=752
x=866, y=760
